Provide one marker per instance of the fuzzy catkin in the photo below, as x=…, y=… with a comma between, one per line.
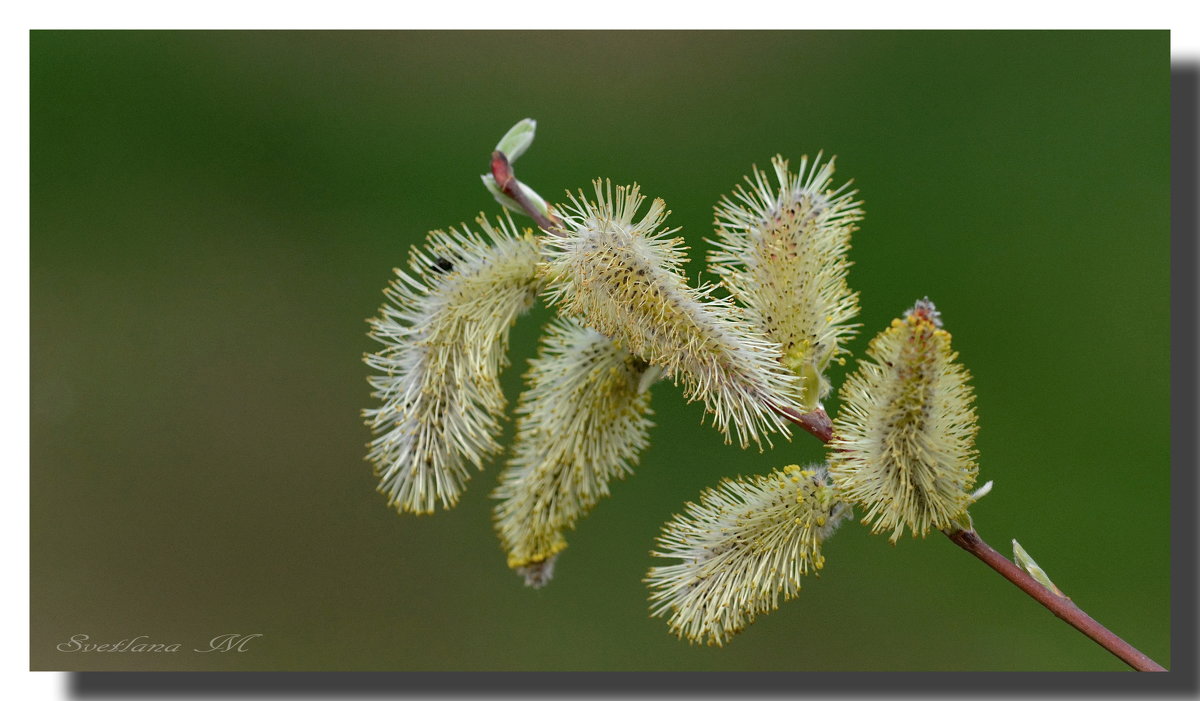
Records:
x=582, y=422
x=903, y=444
x=781, y=250
x=445, y=335
x=743, y=547
x=624, y=278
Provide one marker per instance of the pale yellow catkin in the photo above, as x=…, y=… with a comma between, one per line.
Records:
x=444, y=331
x=582, y=422
x=781, y=250
x=624, y=278
x=903, y=445
x=742, y=549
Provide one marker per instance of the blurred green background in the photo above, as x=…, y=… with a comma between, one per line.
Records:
x=215, y=214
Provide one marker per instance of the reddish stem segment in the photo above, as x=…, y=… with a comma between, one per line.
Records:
x=818, y=424
x=507, y=182
x=815, y=422
x=1060, y=606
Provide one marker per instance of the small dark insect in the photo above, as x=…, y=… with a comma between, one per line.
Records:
x=443, y=265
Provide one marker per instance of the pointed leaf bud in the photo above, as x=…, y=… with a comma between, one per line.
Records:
x=445, y=336
x=582, y=422
x=624, y=278
x=743, y=546
x=781, y=250
x=903, y=445
x=1026, y=563
x=517, y=139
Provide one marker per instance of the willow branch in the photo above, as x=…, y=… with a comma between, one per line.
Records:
x=818, y=424
x=1060, y=606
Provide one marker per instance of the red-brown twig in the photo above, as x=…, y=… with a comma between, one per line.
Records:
x=1060, y=606
x=815, y=422
x=818, y=424
x=507, y=182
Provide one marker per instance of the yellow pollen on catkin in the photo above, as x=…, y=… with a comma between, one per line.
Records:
x=903, y=446
x=582, y=423
x=781, y=249
x=532, y=559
